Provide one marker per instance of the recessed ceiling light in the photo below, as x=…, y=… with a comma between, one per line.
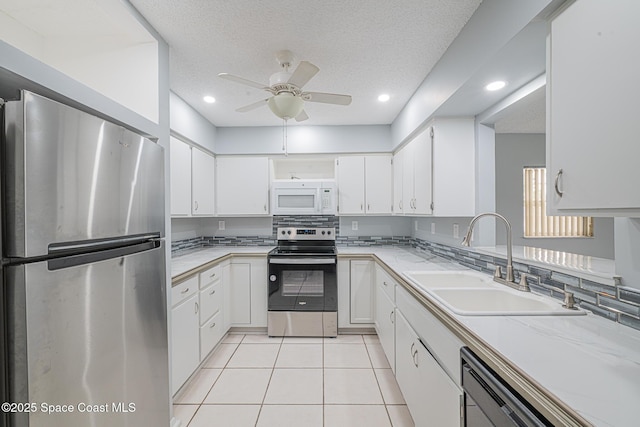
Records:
x=384, y=97
x=209, y=99
x=497, y=85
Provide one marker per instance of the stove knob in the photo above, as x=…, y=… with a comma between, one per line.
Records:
x=272, y=277
x=323, y=233
x=288, y=231
x=328, y=232
x=284, y=232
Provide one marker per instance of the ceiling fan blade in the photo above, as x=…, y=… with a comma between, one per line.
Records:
x=302, y=116
x=252, y=106
x=327, y=98
x=243, y=81
x=303, y=73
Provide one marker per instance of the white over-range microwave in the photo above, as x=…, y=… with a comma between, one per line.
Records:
x=303, y=197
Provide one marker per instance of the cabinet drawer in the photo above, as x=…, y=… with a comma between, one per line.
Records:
x=210, y=301
x=386, y=283
x=184, y=290
x=442, y=343
x=210, y=334
x=210, y=275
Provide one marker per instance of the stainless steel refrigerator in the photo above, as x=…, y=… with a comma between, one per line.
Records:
x=84, y=292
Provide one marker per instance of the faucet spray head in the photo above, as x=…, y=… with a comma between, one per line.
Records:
x=466, y=240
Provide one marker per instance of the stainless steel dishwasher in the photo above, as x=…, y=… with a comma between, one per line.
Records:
x=490, y=401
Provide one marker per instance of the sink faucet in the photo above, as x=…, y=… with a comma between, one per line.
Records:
x=509, y=279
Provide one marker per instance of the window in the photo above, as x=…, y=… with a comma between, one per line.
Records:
x=536, y=221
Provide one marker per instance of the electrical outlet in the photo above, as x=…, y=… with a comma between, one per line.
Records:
x=354, y=225
x=433, y=228
x=456, y=231
x=220, y=225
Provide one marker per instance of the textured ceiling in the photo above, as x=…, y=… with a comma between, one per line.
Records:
x=362, y=47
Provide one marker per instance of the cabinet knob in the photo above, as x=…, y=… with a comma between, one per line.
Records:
x=212, y=292
x=185, y=291
x=195, y=204
x=197, y=308
x=213, y=325
x=213, y=275
x=391, y=316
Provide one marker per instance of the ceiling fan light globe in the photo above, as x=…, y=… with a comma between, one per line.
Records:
x=285, y=105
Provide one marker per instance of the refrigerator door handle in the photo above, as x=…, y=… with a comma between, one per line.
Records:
x=99, y=244
x=91, y=257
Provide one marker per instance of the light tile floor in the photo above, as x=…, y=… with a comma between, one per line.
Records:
x=256, y=381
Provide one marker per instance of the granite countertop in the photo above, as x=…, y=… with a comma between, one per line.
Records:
x=589, y=363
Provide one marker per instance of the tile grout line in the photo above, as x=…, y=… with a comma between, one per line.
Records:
x=273, y=368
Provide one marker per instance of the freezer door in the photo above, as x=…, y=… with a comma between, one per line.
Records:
x=71, y=176
x=92, y=336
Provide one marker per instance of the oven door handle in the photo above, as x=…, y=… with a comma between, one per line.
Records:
x=302, y=260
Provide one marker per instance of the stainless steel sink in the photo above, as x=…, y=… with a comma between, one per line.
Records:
x=499, y=302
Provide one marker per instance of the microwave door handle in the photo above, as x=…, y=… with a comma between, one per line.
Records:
x=318, y=203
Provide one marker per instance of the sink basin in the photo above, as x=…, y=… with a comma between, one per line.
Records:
x=499, y=302
x=449, y=279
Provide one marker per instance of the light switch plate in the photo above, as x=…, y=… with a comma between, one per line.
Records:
x=354, y=225
x=433, y=228
x=456, y=231
x=220, y=225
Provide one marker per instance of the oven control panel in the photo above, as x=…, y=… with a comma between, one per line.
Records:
x=294, y=233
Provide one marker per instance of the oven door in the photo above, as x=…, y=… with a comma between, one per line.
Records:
x=303, y=283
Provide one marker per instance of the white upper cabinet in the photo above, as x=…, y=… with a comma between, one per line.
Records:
x=378, y=184
x=364, y=185
x=592, y=96
x=180, y=158
x=434, y=174
x=454, y=167
x=242, y=185
x=351, y=185
x=202, y=183
x=414, y=170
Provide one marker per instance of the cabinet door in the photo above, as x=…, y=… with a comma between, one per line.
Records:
x=180, y=160
x=454, y=167
x=242, y=185
x=226, y=296
x=240, y=294
x=378, y=184
x=592, y=97
x=440, y=397
x=202, y=182
x=422, y=173
x=362, y=291
x=351, y=185
x=185, y=341
x=398, y=164
x=385, y=323
x=210, y=333
x=259, y=291
x=407, y=374
x=407, y=179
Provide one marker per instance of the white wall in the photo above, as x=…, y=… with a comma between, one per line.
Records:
x=513, y=152
x=627, y=250
x=187, y=123
x=304, y=139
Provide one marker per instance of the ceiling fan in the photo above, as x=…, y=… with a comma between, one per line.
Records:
x=287, y=100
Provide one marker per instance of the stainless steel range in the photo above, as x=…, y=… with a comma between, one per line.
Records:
x=303, y=286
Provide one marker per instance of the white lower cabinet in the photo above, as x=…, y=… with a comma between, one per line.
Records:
x=432, y=397
x=385, y=314
x=248, y=288
x=210, y=333
x=385, y=324
x=362, y=291
x=185, y=324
